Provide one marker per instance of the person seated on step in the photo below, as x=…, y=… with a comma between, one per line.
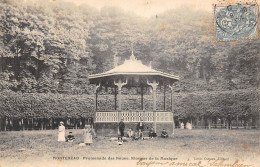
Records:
x=141, y=134
x=136, y=135
x=164, y=134
x=70, y=137
x=130, y=133
x=152, y=133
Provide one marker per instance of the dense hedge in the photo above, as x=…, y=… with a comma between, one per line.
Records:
x=236, y=103
x=239, y=102
x=45, y=105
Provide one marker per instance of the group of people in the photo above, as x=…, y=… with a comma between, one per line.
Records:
x=188, y=125
x=88, y=132
x=138, y=134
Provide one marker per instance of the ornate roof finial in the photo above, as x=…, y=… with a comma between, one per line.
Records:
x=116, y=59
x=132, y=57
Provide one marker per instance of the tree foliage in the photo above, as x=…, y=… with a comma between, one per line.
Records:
x=52, y=47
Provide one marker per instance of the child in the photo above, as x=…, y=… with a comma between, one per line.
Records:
x=164, y=134
x=70, y=137
x=87, y=135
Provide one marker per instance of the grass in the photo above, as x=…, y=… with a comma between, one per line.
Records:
x=24, y=146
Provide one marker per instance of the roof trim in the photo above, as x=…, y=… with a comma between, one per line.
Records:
x=94, y=76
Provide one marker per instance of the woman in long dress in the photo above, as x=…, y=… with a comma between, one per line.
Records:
x=87, y=135
x=182, y=125
x=188, y=126
x=61, y=136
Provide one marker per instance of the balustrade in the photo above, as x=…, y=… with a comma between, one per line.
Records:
x=134, y=116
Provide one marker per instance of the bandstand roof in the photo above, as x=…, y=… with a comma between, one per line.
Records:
x=132, y=67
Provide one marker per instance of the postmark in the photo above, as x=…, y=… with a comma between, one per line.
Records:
x=235, y=21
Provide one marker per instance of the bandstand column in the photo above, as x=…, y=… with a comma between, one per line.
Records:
x=96, y=87
x=172, y=93
x=142, y=97
x=154, y=85
x=119, y=85
x=115, y=97
x=164, y=97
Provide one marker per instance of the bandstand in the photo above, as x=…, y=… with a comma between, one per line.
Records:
x=132, y=73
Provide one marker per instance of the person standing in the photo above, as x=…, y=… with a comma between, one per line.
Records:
x=61, y=136
x=140, y=129
x=229, y=119
x=188, y=126
x=88, y=135
x=182, y=125
x=121, y=128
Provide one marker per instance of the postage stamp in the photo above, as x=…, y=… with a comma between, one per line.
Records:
x=235, y=22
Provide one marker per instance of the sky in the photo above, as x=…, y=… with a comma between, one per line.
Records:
x=147, y=8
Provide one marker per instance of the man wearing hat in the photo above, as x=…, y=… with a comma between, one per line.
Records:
x=121, y=128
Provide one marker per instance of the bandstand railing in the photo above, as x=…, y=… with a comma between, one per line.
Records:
x=133, y=116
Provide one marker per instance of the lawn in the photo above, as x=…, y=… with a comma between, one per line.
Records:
x=28, y=147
